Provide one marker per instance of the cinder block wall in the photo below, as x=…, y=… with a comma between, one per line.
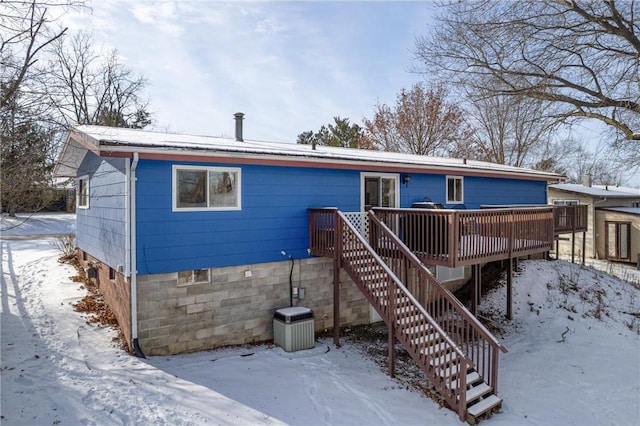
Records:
x=237, y=305
x=115, y=292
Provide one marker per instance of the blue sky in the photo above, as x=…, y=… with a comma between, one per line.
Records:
x=289, y=66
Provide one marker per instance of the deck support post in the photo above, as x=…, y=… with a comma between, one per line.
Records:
x=584, y=245
x=392, y=352
x=337, y=255
x=476, y=288
x=509, y=289
x=391, y=330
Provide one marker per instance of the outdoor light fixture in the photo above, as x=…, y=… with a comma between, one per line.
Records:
x=406, y=178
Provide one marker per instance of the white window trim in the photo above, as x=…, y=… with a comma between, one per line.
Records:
x=565, y=202
x=174, y=189
x=395, y=176
x=446, y=190
x=84, y=178
x=193, y=282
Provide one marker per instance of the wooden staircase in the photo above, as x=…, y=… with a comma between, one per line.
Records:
x=456, y=352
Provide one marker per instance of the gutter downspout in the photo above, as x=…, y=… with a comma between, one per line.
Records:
x=134, y=265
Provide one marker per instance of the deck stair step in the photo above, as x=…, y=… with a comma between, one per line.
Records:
x=477, y=391
x=472, y=378
x=450, y=371
x=362, y=269
x=483, y=406
x=360, y=259
x=410, y=320
x=445, y=359
x=435, y=349
x=420, y=328
x=384, y=294
x=430, y=338
x=385, y=302
x=374, y=280
x=405, y=309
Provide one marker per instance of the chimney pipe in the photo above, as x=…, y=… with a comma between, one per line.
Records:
x=586, y=179
x=239, y=116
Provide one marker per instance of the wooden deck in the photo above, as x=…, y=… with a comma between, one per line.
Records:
x=454, y=238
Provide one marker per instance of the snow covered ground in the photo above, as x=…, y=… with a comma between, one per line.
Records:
x=574, y=358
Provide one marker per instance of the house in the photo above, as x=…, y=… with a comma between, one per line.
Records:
x=613, y=219
x=196, y=239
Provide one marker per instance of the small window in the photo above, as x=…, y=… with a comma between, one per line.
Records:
x=635, y=204
x=196, y=276
x=454, y=190
x=565, y=202
x=82, y=195
x=112, y=274
x=206, y=188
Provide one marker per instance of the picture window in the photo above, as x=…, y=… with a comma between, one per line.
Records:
x=206, y=188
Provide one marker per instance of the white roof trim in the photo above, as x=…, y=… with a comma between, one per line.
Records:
x=122, y=140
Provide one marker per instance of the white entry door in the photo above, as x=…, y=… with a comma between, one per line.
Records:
x=378, y=190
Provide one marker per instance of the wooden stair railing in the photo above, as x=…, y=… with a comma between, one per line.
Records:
x=476, y=342
x=457, y=354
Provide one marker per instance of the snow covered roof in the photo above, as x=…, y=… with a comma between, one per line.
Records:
x=111, y=141
x=628, y=210
x=598, y=191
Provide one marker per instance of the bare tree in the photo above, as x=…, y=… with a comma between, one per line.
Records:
x=26, y=28
x=509, y=130
x=88, y=86
x=601, y=163
x=422, y=122
x=582, y=56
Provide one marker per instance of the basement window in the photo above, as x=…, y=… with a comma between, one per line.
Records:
x=195, y=276
x=206, y=188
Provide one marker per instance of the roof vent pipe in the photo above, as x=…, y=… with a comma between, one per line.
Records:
x=586, y=179
x=239, y=116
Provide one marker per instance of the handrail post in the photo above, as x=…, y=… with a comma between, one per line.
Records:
x=453, y=239
x=337, y=256
x=462, y=391
x=391, y=291
x=494, y=369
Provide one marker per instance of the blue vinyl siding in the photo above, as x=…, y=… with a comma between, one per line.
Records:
x=274, y=217
x=477, y=190
x=100, y=229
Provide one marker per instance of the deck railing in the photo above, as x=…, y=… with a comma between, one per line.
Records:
x=570, y=218
x=465, y=237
